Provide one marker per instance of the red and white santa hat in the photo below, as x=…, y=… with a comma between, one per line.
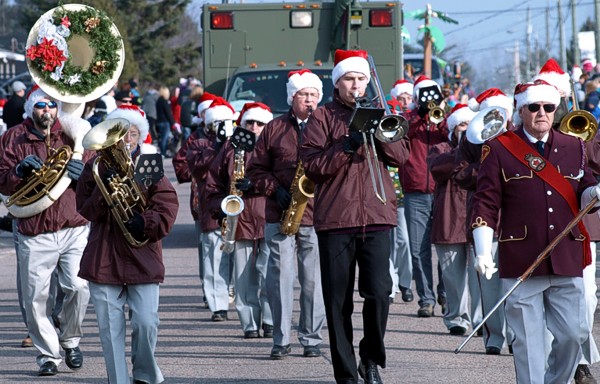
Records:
x=254, y=111
x=492, y=97
x=424, y=82
x=304, y=78
x=553, y=74
x=401, y=86
x=135, y=115
x=36, y=94
x=350, y=61
x=461, y=113
x=538, y=91
x=205, y=100
x=219, y=110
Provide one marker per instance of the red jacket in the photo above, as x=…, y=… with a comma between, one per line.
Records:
x=274, y=163
x=20, y=142
x=251, y=222
x=344, y=195
x=108, y=258
x=533, y=213
x=414, y=174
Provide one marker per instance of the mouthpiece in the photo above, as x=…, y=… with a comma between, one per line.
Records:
x=355, y=94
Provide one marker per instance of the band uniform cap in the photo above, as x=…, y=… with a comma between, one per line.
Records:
x=205, y=101
x=402, y=86
x=350, y=61
x=304, y=78
x=219, y=110
x=254, y=111
x=553, y=74
x=492, y=97
x=461, y=113
x=423, y=82
x=136, y=116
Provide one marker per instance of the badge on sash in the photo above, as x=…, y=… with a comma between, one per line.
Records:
x=535, y=162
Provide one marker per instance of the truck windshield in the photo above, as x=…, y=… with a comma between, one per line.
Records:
x=268, y=87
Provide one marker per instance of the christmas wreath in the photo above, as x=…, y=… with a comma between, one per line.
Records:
x=49, y=54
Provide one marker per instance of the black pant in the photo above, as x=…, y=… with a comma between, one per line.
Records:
x=339, y=255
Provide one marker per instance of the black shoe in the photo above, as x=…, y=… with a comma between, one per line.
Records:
x=48, y=369
x=390, y=300
x=251, y=335
x=407, y=294
x=267, y=331
x=426, y=310
x=583, y=375
x=480, y=332
x=510, y=349
x=73, y=358
x=219, y=316
x=280, y=352
x=492, y=350
x=442, y=302
x=312, y=351
x=369, y=373
x=457, y=330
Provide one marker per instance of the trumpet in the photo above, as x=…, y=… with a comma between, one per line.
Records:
x=436, y=113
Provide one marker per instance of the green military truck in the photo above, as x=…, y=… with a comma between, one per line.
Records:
x=248, y=49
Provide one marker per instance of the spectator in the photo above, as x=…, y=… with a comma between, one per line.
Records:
x=149, y=106
x=15, y=106
x=164, y=119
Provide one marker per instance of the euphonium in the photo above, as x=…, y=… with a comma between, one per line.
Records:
x=232, y=205
x=301, y=190
x=122, y=194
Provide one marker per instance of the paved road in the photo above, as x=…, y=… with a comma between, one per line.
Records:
x=192, y=349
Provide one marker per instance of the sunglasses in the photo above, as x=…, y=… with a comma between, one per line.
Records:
x=252, y=122
x=536, y=107
x=43, y=104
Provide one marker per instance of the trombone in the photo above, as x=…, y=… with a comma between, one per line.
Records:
x=579, y=123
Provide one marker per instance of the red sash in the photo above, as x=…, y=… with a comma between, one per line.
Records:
x=549, y=174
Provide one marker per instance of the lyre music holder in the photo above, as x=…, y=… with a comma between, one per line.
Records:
x=149, y=169
x=243, y=139
x=366, y=119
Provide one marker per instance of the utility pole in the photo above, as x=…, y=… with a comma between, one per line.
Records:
x=597, y=29
x=528, y=46
x=576, y=54
x=537, y=53
x=517, y=63
x=561, y=31
x=427, y=44
x=548, y=45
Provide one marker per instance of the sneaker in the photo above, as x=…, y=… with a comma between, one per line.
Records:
x=267, y=331
x=219, y=316
x=442, y=302
x=407, y=294
x=457, y=330
x=426, y=310
x=583, y=375
x=251, y=335
x=27, y=342
x=280, y=352
x=231, y=294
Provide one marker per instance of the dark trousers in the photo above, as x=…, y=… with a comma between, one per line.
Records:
x=339, y=255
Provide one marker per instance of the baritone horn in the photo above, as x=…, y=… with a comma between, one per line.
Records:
x=578, y=122
x=121, y=192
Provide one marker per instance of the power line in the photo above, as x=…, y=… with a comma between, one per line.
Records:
x=487, y=12
x=498, y=13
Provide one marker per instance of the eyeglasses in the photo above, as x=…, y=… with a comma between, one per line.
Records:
x=252, y=122
x=548, y=108
x=304, y=95
x=43, y=104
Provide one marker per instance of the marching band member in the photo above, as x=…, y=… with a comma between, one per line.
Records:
x=402, y=93
x=119, y=273
x=537, y=178
x=216, y=264
x=448, y=228
x=272, y=171
x=51, y=239
x=352, y=225
x=485, y=293
x=183, y=174
x=553, y=74
x=251, y=254
x=418, y=186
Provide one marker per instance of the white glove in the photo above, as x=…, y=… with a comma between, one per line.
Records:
x=589, y=194
x=484, y=263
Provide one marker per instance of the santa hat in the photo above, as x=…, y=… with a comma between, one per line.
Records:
x=36, y=94
x=350, y=61
x=135, y=115
x=254, y=111
x=553, y=74
x=536, y=92
x=424, y=82
x=461, y=113
x=492, y=97
x=205, y=100
x=218, y=110
x=304, y=78
x=401, y=86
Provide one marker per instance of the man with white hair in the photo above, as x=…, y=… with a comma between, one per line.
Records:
x=272, y=171
x=537, y=178
x=51, y=239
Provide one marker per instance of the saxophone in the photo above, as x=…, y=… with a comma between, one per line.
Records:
x=301, y=190
x=233, y=204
